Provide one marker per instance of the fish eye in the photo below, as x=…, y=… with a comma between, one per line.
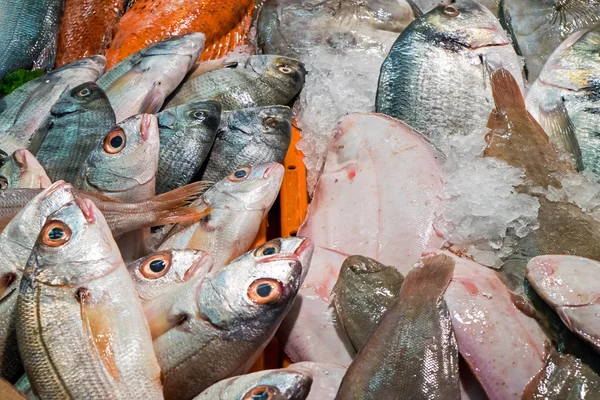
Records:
x=284, y=69
x=3, y=183
x=55, y=233
x=85, y=92
x=198, y=115
x=271, y=122
x=451, y=10
x=114, y=141
x=267, y=249
x=239, y=175
x=261, y=393
x=156, y=266
x=263, y=291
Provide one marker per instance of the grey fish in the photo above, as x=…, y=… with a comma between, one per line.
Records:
x=187, y=133
x=77, y=122
x=215, y=327
x=565, y=99
x=413, y=351
x=248, y=137
x=16, y=243
x=29, y=29
x=141, y=82
x=22, y=170
x=22, y=111
x=538, y=27
x=264, y=80
x=280, y=384
x=434, y=77
x=427, y=5
x=365, y=289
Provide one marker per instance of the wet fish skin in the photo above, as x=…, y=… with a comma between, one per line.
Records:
x=157, y=273
x=281, y=384
x=141, y=82
x=77, y=122
x=17, y=240
x=76, y=294
x=21, y=171
x=23, y=110
x=460, y=39
x=428, y=5
x=364, y=291
x=30, y=30
x=264, y=80
x=413, y=351
x=326, y=378
x=187, y=133
x=248, y=137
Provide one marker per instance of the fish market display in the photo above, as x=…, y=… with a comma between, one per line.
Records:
x=77, y=122
x=326, y=378
x=462, y=37
x=262, y=80
x=29, y=31
x=564, y=98
x=247, y=137
x=568, y=284
x=187, y=134
x=22, y=171
x=141, y=82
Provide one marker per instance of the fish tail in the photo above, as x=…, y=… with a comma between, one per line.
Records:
x=506, y=91
x=236, y=37
x=429, y=278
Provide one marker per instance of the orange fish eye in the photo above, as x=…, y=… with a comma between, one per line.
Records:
x=55, y=233
x=261, y=393
x=263, y=291
x=240, y=174
x=451, y=11
x=157, y=266
x=268, y=249
x=114, y=141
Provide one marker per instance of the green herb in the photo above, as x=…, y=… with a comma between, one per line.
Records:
x=18, y=78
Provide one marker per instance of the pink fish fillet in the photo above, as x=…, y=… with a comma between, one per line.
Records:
x=571, y=285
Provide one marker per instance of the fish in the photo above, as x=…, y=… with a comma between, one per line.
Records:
x=77, y=295
x=248, y=137
x=158, y=272
x=413, y=350
x=538, y=27
x=263, y=80
x=87, y=28
x=566, y=283
x=365, y=289
x=563, y=377
x=427, y=5
x=233, y=311
x=22, y=171
x=146, y=22
x=77, y=121
x=123, y=164
x=457, y=42
x=141, y=82
x=236, y=207
x=23, y=110
x=326, y=378
x=281, y=384
x=187, y=133
x=17, y=240
x=564, y=99
x=30, y=31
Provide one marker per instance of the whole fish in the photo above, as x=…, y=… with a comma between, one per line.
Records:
x=17, y=240
x=22, y=171
x=23, y=110
x=568, y=284
x=187, y=134
x=236, y=207
x=156, y=273
x=224, y=22
x=564, y=99
x=365, y=289
x=280, y=384
x=538, y=27
x=123, y=165
x=77, y=295
x=215, y=327
x=87, y=28
x=77, y=121
x=454, y=42
x=30, y=30
x=326, y=378
x=264, y=80
x=248, y=137
x=413, y=350
x=141, y=82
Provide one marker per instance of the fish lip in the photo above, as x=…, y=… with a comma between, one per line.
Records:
x=199, y=263
x=304, y=245
x=55, y=187
x=272, y=170
x=204, y=318
x=21, y=158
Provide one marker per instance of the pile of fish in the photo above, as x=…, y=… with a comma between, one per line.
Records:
x=450, y=247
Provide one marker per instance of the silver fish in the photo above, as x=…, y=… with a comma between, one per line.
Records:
x=22, y=171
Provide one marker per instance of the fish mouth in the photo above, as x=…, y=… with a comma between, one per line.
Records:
x=304, y=246
x=272, y=170
x=203, y=260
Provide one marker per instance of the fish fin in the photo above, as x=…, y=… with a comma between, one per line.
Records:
x=506, y=91
x=574, y=15
x=38, y=137
x=153, y=100
x=415, y=8
x=47, y=83
x=429, y=277
x=184, y=195
x=236, y=37
x=130, y=78
x=559, y=122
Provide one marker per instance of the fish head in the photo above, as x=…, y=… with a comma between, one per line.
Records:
x=87, y=96
x=301, y=247
x=189, y=45
x=288, y=71
x=203, y=115
x=464, y=24
x=154, y=274
x=252, y=188
x=22, y=170
x=360, y=271
x=271, y=125
x=92, y=66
